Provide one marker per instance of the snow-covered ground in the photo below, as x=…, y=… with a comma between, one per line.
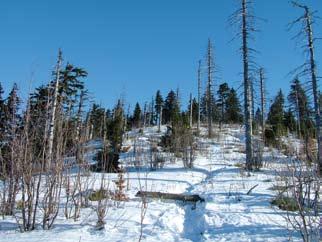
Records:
x=228, y=213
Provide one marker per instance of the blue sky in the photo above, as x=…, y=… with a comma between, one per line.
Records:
x=137, y=47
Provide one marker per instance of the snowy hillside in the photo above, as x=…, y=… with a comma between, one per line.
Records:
x=231, y=211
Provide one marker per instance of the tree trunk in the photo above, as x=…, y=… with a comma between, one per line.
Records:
x=247, y=89
x=190, y=110
x=262, y=92
x=53, y=112
x=314, y=85
x=199, y=94
x=209, y=89
x=160, y=120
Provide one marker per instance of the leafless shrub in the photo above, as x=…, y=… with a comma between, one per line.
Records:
x=144, y=203
x=101, y=208
x=298, y=193
x=119, y=195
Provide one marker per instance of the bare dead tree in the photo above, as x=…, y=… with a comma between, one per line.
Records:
x=54, y=107
x=190, y=112
x=209, y=91
x=263, y=101
x=298, y=113
x=307, y=21
x=160, y=118
x=244, y=19
x=144, y=115
x=247, y=86
x=252, y=93
x=152, y=116
x=199, y=95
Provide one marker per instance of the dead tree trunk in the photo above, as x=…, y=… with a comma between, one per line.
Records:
x=53, y=111
x=247, y=87
x=298, y=113
x=209, y=87
x=252, y=81
x=152, y=113
x=199, y=94
x=144, y=116
x=314, y=86
x=190, y=110
x=308, y=31
x=262, y=93
x=160, y=120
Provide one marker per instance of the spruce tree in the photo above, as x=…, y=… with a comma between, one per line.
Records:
x=115, y=135
x=223, y=94
x=204, y=108
x=233, y=107
x=159, y=107
x=71, y=85
x=12, y=116
x=258, y=118
x=195, y=107
x=137, y=115
x=299, y=102
x=171, y=108
x=96, y=117
x=289, y=121
x=12, y=120
x=276, y=115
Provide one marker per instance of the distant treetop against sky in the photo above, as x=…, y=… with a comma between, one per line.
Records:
x=137, y=47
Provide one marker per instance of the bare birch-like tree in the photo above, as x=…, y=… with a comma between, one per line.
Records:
x=54, y=108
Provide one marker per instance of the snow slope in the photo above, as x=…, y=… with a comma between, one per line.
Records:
x=227, y=214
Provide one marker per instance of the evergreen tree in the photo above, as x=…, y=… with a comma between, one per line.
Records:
x=38, y=108
x=223, y=94
x=276, y=115
x=158, y=108
x=204, y=108
x=115, y=135
x=171, y=108
x=71, y=85
x=12, y=116
x=300, y=105
x=258, y=118
x=194, y=110
x=113, y=128
x=233, y=108
x=9, y=153
x=289, y=120
x=136, y=120
x=96, y=117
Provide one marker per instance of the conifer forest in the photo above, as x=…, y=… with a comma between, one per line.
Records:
x=229, y=154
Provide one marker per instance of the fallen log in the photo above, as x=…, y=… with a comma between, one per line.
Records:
x=170, y=196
